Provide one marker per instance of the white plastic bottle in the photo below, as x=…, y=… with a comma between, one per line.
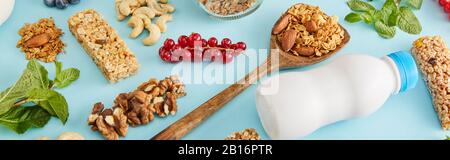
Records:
x=351, y=86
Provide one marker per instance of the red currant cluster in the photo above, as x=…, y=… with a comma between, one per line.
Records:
x=446, y=5
x=195, y=49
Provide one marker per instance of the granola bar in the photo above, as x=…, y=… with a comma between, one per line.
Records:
x=433, y=58
x=104, y=45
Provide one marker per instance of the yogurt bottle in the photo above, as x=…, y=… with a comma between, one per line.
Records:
x=351, y=86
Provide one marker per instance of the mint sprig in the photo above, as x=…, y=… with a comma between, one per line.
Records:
x=393, y=14
x=36, y=89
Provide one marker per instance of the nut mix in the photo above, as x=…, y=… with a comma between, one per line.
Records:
x=137, y=107
x=433, y=58
x=142, y=12
x=247, y=134
x=41, y=40
x=306, y=31
x=227, y=7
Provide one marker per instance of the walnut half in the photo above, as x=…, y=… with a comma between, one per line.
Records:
x=110, y=123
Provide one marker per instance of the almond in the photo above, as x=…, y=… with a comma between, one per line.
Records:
x=311, y=27
x=281, y=24
x=288, y=39
x=37, y=41
x=305, y=51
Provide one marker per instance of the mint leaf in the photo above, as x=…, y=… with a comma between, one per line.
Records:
x=393, y=19
x=384, y=30
x=353, y=17
x=360, y=6
x=389, y=8
x=34, y=76
x=67, y=77
x=51, y=101
x=367, y=17
x=417, y=4
x=21, y=119
x=408, y=22
x=58, y=67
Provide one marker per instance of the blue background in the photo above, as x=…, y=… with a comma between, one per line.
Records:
x=405, y=116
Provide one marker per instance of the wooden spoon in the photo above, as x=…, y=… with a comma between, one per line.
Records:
x=286, y=60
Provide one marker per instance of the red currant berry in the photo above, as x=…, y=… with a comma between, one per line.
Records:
x=233, y=46
x=226, y=42
x=195, y=37
x=212, y=55
x=176, y=47
x=447, y=8
x=183, y=41
x=168, y=44
x=165, y=54
x=444, y=2
x=212, y=42
x=227, y=58
x=204, y=43
x=241, y=45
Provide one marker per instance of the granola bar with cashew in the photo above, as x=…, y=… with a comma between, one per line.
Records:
x=104, y=45
x=433, y=58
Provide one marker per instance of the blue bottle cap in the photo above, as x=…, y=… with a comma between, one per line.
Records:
x=407, y=68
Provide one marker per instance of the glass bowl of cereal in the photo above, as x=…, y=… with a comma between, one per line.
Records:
x=229, y=9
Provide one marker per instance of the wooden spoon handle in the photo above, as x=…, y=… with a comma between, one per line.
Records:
x=183, y=126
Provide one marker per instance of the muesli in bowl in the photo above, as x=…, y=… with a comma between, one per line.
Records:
x=229, y=9
x=305, y=30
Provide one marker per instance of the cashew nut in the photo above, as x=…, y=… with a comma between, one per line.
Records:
x=138, y=26
x=120, y=17
x=160, y=9
x=126, y=6
x=147, y=21
x=161, y=22
x=146, y=11
x=155, y=35
x=142, y=2
x=163, y=1
x=70, y=136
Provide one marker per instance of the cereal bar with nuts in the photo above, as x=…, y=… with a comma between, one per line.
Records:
x=104, y=45
x=433, y=58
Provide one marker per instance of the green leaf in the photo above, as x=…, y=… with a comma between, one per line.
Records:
x=393, y=19
x=58, y=66
x=67, y=77
x=34, y=76
x=21, y=119
x=447, y=138
x=384, y=30
x=408, y=22
x=353, y=17
x=417, y=4
x=360, y=6
x=388, y=9
x=51, y=101
x=367, y=17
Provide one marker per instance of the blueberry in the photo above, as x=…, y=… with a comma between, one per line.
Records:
x=73, y=2
x=62, y=4
x=49, y=3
